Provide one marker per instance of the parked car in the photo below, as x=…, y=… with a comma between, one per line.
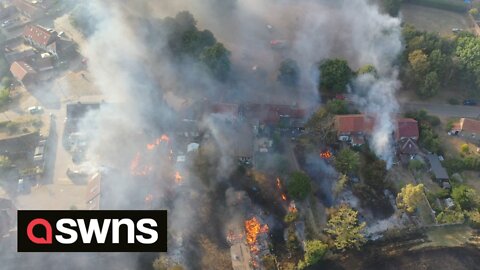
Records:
x=35, y=109
x=469, y=102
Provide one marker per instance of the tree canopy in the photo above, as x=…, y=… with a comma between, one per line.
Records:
x=216, y=58
x=335, y=74
x=409, y=197
x=345, y=229
x=466, y=197
x=315, y=250
x=299, y=186
x=347, y=161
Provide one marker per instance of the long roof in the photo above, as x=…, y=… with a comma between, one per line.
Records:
x=21, y=69
x=437, y=168
x=407, y=128
x=39, y=34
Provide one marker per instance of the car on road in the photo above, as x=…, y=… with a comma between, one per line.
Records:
x=35, y=109
x=470, y=102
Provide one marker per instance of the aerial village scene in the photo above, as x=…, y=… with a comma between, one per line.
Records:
x=278, y=134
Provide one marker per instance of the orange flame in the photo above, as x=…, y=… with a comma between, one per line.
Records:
x=326, y=155
x=158, y=141
x=284, y=197
x=178, y=177
x=279, y=185
x=253, y=228
x=136, y=169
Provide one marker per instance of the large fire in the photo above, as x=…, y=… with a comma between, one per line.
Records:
x=158, y=141
x=326, y=155
x=253, y=228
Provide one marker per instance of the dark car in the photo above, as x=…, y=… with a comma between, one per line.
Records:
x=469, y=102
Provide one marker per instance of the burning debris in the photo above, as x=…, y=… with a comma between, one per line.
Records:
x=279, y=187
x=158, y=141
x=326, y=154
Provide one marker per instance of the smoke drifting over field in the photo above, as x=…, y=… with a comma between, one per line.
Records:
x=129, y=63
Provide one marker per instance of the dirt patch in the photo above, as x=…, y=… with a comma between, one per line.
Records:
x=433, y=20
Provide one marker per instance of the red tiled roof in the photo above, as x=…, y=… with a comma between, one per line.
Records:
x=353, y=123
x=407, y=128
x=20, y=69
x=39, y=34
x=470, y=125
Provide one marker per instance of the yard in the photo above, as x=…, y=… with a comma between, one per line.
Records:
x=433, y=20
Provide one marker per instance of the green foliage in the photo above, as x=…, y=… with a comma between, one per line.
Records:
x=430, y=86
x=347, y=161
x=473, y=12
x=335, y=74
x=321, y=128
x=465, y=148
x=315, y=250
x=419, y=62
x=340, y=184
x=4, y=97
x=6, y=81
x=367, y=69
x=299, y=186
x=468, y=52
x=216, y=58
x=450, y=216
x=291, y=216
x=466, y=197
x=337, y=106
x=5, y=162
x=343, y=226
x=415, y=165
x=409, y=197
x=289, y=73
x=474, y=218
x=392, y=7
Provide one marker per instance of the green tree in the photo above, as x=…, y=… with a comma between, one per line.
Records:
x=431, y=85
x=299, y=186
x=337, y=106
x=347, y=161
x=185, y=21
x=418, y=62
x=289, y=73
x=468, y=52
x=345, y=229
x=409, y=197
x=415, y=165
x=441, y=64
x=315, y=250
x=216, y=58
x=367, y=69
x=450, y=216
x=335, y=74
x=466, y=197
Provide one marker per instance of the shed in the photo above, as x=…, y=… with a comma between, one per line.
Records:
x=437, y=168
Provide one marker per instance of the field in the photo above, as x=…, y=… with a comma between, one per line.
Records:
x=433, y=20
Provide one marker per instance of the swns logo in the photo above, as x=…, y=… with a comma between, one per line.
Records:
x=92, y=231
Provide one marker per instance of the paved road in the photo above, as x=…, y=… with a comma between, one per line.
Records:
x=444, y=110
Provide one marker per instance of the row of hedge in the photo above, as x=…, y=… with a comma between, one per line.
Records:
x=450, y=5
x=455, y=165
